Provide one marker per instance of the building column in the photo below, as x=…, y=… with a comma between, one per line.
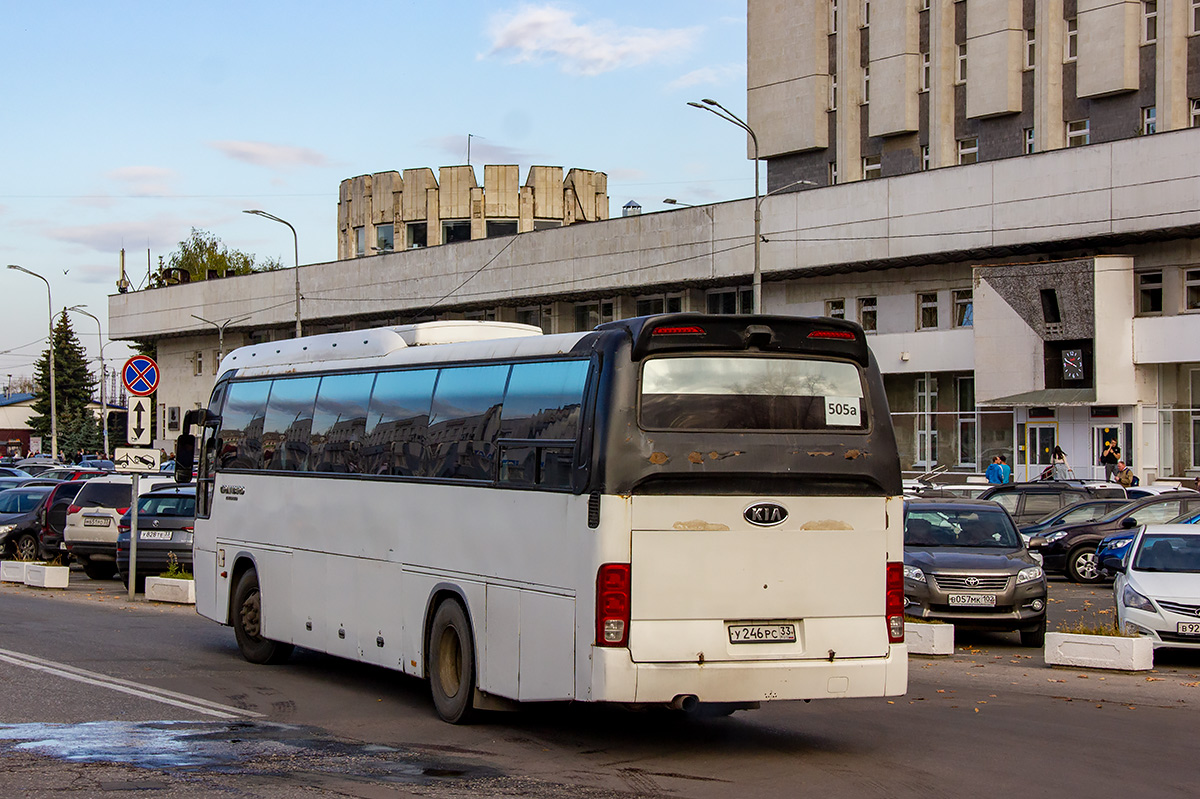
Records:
x=849, y=77
x=943, y=64
x=1050, y=31
x=1171, y=66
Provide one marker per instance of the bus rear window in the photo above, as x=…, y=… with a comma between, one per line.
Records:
x=751, y=393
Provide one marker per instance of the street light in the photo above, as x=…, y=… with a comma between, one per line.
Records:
x=103, y=404
x=724, y=113
x=296, y=242
x=220, y=326
x=53, y=407
x=673, y=201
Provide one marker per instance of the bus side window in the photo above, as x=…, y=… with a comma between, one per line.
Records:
x=288, y=423
x=465, y=421
x=398, y=423
x=541, y=419
x=339, y=422
x=239, y=445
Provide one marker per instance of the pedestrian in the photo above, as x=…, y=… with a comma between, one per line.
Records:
x=1005, y=469
x=1109, y=458
x=1061, y=470
x=1124, y=474
x=994, y=473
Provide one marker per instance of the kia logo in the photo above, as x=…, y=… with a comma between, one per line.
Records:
x=765, y=514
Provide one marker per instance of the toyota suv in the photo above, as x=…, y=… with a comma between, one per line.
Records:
x=90, y=534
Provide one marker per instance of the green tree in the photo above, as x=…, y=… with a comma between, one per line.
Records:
x=203, y=251
x=73, y=387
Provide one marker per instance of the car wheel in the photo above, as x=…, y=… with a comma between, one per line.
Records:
x=1083, y=566
x=247, y=623
x=99, y=569
x=26, y=547
x=451, y=664
x=1035, y=637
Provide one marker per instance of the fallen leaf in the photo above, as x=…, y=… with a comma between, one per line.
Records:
x=976, y=710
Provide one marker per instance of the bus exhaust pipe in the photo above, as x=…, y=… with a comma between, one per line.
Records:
x=685, y=702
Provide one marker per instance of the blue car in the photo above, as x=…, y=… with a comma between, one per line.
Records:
x=1117, y=544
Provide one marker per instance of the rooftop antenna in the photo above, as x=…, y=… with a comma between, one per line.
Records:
x=469, y=137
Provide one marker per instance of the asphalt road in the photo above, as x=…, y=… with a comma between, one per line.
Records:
x=100, y=696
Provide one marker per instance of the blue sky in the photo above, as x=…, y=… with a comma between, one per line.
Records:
x=128, y=123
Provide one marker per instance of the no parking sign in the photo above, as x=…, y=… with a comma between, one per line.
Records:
x=140, y=375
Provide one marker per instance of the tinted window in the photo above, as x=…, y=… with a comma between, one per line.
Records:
x=1007, y=500
x=20, y=501
x=1039, y=505
x=398, y=423
x=172, y=505
x=1168, y=553
x=339, y=422
x=287, y=425
x=104, y=495
x=959, y=527
x=1158, y=512
x=751, y=393
x=240, y=445
x=465, y=422
x=543, y=400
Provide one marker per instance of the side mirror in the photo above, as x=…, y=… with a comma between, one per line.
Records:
x=1114, y=564
x=1129, y=522
x=185, y=458
x=1037, y=542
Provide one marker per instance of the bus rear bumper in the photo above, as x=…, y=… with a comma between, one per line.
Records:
x=616, y=678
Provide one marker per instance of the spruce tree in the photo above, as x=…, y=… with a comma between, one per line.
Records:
x=73, y=388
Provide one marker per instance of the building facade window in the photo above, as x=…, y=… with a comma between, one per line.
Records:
x=926, y=421
x=961, y=74
x=1071, y=50
x=868, y=313
x=360, y=241
x=1194, y=21
x=833, y=92
x=1195, y=123
x=925, y=162
x=1149, y=22
x=1030, y=48
x=927, y=310
x=866, y=13
x=485, y=315
x=1150, y=292
x=967, y=422
x=1195, y=401
x=835, y=309
x=536, y=315
x=1149, y=120
x=968, y=151
x=1079, y=133
x=659, y=303
x=866, y=85
x=833, y=15
x=198, y=364
x=590, y=314
x=1191, y=289
x=833, y=175
x=964, y=308
x=1029, y=141
x=416, y=235
x=730, y=301
x=385, y=238
x=871, y=167
x=926, y=71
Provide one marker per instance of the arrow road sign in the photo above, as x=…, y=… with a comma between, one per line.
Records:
x=137, y=432
x=140, y=375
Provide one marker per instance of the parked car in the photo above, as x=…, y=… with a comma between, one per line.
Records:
x=97, y=463
x=1071, y=550
x=13, y=482
x=166, y=517
x=71, y=473
x=13, y=471
x=1152, y=490
x=965, y=563
x=1028, y=502
x=1157, y=590
x=1117, y=544
x=951, y=490
x=18, y=521
x=1086, y=511
x=90, y=534
x=53, y=517
x=36, y=464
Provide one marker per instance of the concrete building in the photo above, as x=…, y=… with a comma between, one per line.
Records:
x=1014, y=303
x=374, y=211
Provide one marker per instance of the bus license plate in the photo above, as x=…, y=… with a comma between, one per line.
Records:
x=96, y=521
x=974, y=600
x=154, y=535
x=762, y=633
x=1188, y=628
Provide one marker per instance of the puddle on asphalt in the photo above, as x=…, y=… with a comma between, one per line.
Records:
x=237, y=747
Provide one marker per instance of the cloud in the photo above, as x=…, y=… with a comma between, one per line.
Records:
x=143, y=181
x=482, y=151
x=272, y=156
x=110, y=237
x=626, y=175
x=708, y=76
x=548, y=33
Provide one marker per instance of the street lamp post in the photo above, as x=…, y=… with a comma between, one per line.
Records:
x=220, y=326
x=296, y=242
x=53, y=406
x=680, y=203
x=724, y=113
x=103, y=403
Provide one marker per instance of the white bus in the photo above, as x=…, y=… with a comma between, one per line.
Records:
x=668, y=510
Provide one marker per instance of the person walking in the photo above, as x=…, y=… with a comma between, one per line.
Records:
x=1124, y=474
x=1109, y=458
x=995, y=472
x=1005, y=470
x=1060, y=468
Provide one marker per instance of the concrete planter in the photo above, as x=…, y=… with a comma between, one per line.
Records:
x=169, y=589
x=929, y=639
x=13, y=571
x=1099, y=651
x=39, y=575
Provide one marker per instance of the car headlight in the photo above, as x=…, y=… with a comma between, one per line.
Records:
x=7, y=528
x=1029, y=574
x=913, y=573
x=1055, y=536
x=1132, y=599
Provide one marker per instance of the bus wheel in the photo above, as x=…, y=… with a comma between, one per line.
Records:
x=451, y=663
x=247, y=623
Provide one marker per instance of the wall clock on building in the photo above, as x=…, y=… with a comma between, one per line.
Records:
x=1072, y=362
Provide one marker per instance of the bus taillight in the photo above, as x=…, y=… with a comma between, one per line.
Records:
x=844, y=335
x=895, y=602
x=612, y=604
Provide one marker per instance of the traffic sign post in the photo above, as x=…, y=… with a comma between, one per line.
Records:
x=137, y=430
x=132, y=459
x=140, y=375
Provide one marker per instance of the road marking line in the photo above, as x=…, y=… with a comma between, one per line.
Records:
x=185, y=701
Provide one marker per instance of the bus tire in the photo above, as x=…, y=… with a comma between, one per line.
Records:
x=247, y=623
x=451, y=663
